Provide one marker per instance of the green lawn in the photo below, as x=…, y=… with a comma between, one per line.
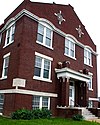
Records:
x=52, y=121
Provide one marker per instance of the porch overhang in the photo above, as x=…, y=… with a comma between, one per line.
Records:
x=69, y=73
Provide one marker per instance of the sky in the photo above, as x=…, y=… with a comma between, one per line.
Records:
x=88, y=12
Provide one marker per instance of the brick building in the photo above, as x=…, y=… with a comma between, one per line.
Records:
x=47, y=59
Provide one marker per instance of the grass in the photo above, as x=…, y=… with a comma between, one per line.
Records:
x=52, y=121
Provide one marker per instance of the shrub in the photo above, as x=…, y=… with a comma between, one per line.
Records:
x=22, y=114
x=78, y=117
x=27, y=114
x=43, y=113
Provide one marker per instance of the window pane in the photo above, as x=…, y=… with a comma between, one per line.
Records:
x=67, y=50
x=45, y=102
x=13, y=32
x=71, y=53
x=6, y=63
x=5, y=71
x=37, y=71
x=85, y=60
x=46, y=74
x=1, y=102
x=90, y=104
x=40, y=33
x=70, y=92
x=71, y=46
x=38, y=61
x=46, y=68
x=48, y=33
x=38, y=64
x=48, y=42
x=40, y=38
x=67, y=43
x=40, y=29
x=36, y=102
x=46, y=64
x=90, y=84
x=87, y=57
x=8, y=35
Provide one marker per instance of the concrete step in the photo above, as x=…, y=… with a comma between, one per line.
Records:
x=88, y=115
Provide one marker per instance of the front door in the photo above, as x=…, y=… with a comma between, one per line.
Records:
x=71, y=95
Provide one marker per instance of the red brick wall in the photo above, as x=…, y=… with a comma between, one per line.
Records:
x=12, y=102
x=24, y=47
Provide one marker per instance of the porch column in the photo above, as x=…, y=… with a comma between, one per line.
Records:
x=65, y=92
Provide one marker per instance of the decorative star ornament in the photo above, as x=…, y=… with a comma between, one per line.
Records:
x=80, y=33
x=59, y=17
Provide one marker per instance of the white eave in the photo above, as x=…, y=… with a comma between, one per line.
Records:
x=69, y=73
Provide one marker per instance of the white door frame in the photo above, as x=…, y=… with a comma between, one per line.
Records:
x=72, y=94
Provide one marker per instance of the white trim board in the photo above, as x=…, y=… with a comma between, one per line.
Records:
x=28, y=92
x=69, y=73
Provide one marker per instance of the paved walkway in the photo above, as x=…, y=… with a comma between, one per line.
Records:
x=95, y=120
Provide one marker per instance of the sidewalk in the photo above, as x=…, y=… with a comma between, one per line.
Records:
x=94, y=120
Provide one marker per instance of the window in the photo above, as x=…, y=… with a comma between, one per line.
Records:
x=42, y=70
x=90, y=104
x=36, y=102
x=90, y=84
x=44, y=36
x=40, y=102
x=1, y=102
x=87, y=57
x=10, y=35
x=70, y=47
x=5, y=65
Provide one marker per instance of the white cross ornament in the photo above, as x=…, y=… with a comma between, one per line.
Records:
x=80, y=33
x=59, y=17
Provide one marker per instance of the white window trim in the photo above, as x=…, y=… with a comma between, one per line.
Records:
x=88, y=50
x=43, y=44
x=91, y=78
x=74, y=48
x=91, y=89
x=4, y=77
x=44, y=57
x=10, y=41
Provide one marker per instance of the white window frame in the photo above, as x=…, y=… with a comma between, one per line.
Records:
x=71, y=41
x=41, y=102
x=90, y=104
x=44, y=35
x=42, y=67
x=86, y=57
x=3, y=71
x=10, y=27
x=1, y=103
x=90, y=84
